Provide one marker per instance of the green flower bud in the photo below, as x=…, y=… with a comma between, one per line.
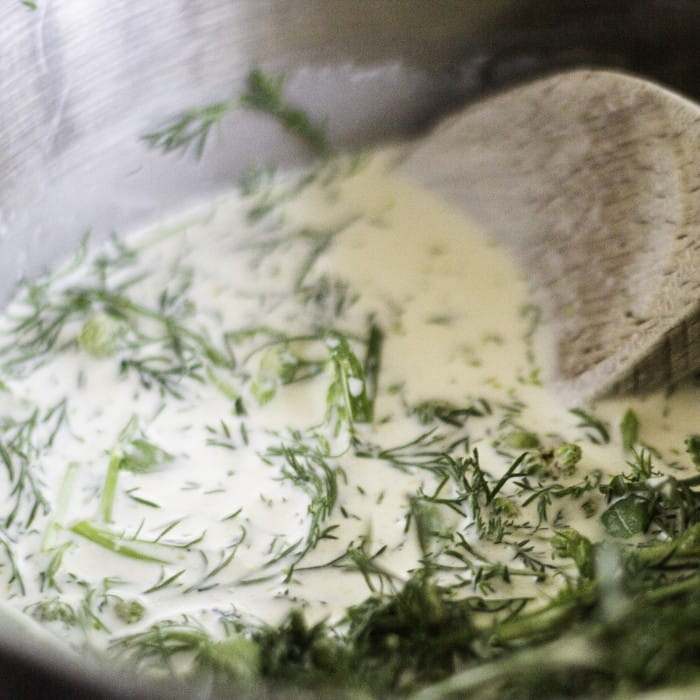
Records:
x=567, y=456
x=129, y=611
x=100, y=335
x=53, y=610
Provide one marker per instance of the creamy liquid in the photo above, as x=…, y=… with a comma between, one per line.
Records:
x=450, y=303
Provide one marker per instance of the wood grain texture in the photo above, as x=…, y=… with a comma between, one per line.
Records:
x=593, y=179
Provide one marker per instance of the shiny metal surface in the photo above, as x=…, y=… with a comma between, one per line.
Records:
x=82, y=80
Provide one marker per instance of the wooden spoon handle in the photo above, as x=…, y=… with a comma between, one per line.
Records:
x=593, y=179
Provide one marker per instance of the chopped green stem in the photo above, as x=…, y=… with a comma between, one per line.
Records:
x=109, y=489
x=15, y=576
x=349, y=380
x=62, y=500
x=111, y=541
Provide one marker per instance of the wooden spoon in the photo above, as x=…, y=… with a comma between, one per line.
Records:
x=593, y=179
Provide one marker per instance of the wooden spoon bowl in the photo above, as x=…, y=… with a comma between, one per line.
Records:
x=592, y=178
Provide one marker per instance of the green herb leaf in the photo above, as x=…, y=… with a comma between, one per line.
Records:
x=692, y=446
x=240, y=657
x=142, y=456
x=626, y=517
x=348, y=385
x=190, y=130
x=264, y=93
x=278, y=366
x=521, y=440
x=596, y=430
x=629, y=429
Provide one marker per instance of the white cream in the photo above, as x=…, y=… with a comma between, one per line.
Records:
x=449, y=302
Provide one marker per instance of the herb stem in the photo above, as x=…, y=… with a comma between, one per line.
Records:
x=62, y=501
x=109, y=489
x=111, y=541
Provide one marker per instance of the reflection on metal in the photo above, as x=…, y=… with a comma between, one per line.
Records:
x=79, y=82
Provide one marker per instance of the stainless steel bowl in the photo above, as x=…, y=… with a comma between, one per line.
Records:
x=82, y=80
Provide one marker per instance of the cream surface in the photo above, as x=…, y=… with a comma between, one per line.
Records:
x=265, y=275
